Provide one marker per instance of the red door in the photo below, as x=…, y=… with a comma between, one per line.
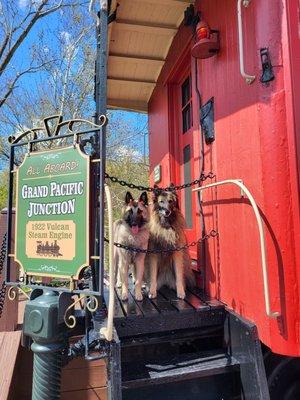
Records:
x=183, y=171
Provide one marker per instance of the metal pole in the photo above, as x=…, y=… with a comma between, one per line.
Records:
x=9, y=213
x=101, y=108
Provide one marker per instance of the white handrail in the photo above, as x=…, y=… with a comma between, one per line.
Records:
x=249, y=78
x=107, y=332
x=238, y=182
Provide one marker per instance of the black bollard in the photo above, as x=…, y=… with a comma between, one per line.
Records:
x=42, y=323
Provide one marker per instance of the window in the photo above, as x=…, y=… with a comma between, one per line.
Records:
x=186, y=105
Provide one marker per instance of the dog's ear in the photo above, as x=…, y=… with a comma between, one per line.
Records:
x=177, y=202
x=155, y=193
x=173, y=190
x=128, y=197
x=144, y=198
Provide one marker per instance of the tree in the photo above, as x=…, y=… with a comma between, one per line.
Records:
x=65, y=48
x=17, y=20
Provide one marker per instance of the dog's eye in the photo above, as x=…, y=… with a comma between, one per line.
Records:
x=170, y=201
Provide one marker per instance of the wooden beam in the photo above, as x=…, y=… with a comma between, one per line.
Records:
x=125, y=104
x=143, y=27
x=157, y=62
x=131, y=80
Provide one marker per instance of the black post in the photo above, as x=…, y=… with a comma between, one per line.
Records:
x=9, y=213
x=101, y=108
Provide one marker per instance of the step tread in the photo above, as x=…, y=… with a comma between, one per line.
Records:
x=182, y=367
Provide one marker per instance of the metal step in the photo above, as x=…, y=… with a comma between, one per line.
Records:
x=165, y=313
x=218, y=387
x=179, y=368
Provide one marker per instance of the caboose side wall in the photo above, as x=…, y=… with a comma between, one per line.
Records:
x=255, y=141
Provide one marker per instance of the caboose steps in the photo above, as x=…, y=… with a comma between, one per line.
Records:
x=179, y=368
x=166, y=313
x=196, y=347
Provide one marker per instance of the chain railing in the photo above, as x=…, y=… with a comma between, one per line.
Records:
x=2, y=260
x=167, y=250
x=123, y=183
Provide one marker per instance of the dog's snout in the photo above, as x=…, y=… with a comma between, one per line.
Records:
x=167, y=212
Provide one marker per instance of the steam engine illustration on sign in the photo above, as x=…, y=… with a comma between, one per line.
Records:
x=46, y=249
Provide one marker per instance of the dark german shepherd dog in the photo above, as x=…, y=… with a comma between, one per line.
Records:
x=132, y=230
x=166, y=228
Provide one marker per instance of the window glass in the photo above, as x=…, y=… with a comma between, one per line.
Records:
x=185, y=91
x=186, y=105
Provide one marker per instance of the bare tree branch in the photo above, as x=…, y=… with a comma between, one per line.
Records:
x=4, y=44
x=12, y=85
x=22, y=36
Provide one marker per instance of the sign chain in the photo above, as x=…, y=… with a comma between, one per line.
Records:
x=121, y=182
x=212, y=233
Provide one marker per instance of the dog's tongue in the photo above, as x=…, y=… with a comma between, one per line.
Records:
x=134, y=229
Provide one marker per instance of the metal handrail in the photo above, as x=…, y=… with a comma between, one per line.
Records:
x=249, y=78
x=239, y=183
x=107, y=331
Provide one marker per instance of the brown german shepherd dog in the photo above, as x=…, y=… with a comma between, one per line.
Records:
x=132, y=230
x=166, y=229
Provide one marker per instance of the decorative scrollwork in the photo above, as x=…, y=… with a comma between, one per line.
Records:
x=14, y=290
x=54, y=125
x=91, y=304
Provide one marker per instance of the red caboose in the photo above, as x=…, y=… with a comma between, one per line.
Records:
x=219, y=81
x=222, y=91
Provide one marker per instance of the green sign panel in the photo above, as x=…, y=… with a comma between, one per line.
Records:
x=52, y=213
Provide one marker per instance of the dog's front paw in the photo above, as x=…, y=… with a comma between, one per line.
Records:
x=119, y=284
x=138, y=296
x=152, y=294
x=181, y=293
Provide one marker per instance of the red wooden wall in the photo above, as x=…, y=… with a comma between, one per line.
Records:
x=255, y=141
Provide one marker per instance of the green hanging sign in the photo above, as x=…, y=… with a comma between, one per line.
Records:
x=52, y=213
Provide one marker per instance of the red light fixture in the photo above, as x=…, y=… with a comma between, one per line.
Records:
x=207, y=41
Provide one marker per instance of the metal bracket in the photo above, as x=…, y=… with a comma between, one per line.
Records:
x=268, y=74
x=91, y=303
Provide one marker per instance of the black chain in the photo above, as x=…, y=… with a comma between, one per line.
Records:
x=121, y=182
x=212, y=233
x=2, y=260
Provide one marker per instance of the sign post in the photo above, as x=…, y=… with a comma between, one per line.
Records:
x=52, y=213
x=53, y=237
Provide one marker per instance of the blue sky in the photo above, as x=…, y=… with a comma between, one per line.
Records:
x=45, y=30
